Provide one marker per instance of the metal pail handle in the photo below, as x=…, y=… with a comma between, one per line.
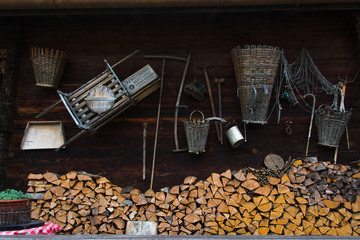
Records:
x=215, y=119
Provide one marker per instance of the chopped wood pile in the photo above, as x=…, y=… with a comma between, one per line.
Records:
x=311, y=198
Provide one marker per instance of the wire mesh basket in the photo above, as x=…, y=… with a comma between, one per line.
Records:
x=14, y=212
x=196, y=133
x=48, y=66
x=255, y=69
x=331, y=124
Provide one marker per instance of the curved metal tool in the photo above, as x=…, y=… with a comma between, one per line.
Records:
x=177, y=106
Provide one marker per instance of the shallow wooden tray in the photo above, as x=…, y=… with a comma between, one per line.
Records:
x=43, y=135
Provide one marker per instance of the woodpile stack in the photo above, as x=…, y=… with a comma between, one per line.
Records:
x=309, y=199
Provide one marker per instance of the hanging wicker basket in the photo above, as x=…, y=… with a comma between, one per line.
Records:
x=196, y=133
x=48, y=66
x=255, y=69
x=331, y=124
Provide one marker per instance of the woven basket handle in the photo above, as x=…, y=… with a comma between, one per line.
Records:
x=195, y=112
x=324, y=106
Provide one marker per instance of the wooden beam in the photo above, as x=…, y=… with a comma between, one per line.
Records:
x=8, y=98
x=138, y=13
x=103, y=4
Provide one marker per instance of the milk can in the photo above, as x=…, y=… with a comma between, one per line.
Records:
x=234, y=135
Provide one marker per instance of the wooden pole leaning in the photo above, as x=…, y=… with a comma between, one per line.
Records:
x=144, y=149
x=157, y=123
x=212, y=102
x=219, y=81
x=311, y=122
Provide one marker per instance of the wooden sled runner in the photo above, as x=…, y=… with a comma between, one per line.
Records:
x=126, y=93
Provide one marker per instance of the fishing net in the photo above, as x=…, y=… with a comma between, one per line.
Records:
x=300, y=78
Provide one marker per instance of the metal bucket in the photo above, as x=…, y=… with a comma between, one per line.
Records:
x=196, y=133
x=234, y=135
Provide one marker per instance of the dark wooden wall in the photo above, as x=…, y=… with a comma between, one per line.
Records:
x=115, y=151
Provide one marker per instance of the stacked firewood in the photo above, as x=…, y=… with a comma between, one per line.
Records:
x=311, y=198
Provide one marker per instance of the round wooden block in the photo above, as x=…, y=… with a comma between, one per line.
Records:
x=274, y=162
x=100, y=99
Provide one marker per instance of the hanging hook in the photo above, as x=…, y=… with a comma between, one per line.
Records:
x=288, y=129
x=253, y=101
x=311, y=120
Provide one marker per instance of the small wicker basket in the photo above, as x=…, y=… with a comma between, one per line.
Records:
x=331, y=124
x=255, y=69
x=196, y=133
x=48, y=66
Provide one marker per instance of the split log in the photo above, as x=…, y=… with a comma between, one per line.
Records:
x=239, y=202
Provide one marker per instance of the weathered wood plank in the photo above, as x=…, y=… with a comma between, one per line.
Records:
x=115, y=150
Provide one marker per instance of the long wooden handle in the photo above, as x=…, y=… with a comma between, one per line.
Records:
x=212, y=103
x=342, y=107
x=144, y=149
x=157, y=123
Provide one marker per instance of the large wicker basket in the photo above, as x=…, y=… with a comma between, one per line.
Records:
x=48, y=66
x=15, y=212
x=331, y=124
x=255, y=69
